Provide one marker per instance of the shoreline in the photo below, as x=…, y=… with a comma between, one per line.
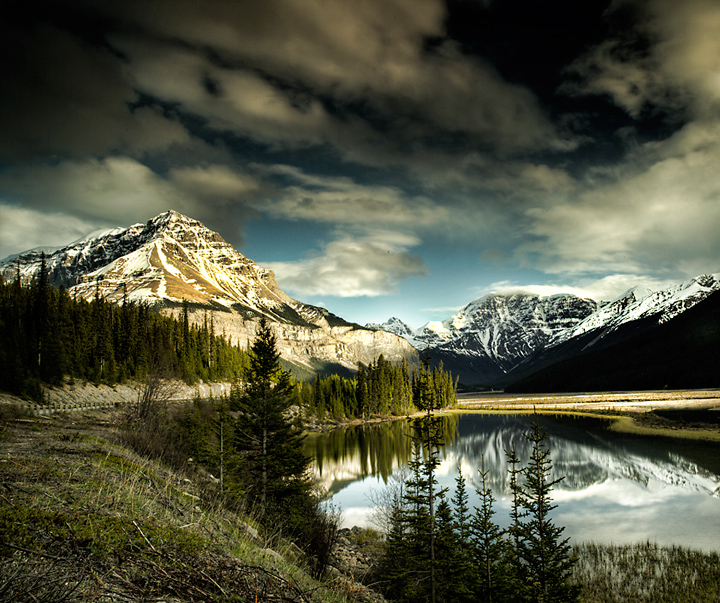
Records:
x=631, y=412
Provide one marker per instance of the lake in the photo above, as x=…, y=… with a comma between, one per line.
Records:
x=616, y=488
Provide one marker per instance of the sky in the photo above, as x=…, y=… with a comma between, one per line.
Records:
x=383, y=157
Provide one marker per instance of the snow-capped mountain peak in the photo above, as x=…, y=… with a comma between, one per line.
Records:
x=173, y=259
x=640, y=303
x=170, y=258
x=491, y=335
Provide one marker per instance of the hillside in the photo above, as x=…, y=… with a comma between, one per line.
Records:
x=681, y=353
x=83, y=518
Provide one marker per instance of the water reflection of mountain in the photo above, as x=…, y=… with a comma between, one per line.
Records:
x=582, y=452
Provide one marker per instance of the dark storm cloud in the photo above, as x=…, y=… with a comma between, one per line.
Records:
x=471, y=123
x=338, y=58
x=62, y=95
x=658, y=209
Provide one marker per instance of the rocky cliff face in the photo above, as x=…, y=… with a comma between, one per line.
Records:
x=490, y=335
x=173, y=259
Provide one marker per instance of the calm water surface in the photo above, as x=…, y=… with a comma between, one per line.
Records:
x=616, y=489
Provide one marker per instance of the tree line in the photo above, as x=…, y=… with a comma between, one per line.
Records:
x=47, y=335
x=438, y=551
x=380, y=388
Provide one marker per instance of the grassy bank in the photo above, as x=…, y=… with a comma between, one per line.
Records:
x=646, y=573
x=628, y=422
x=84, y=519
x=649, y=424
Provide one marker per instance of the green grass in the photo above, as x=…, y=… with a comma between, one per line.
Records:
x=84, y=519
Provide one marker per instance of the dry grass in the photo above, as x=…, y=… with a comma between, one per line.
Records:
x=85, y=519
x=646, y=573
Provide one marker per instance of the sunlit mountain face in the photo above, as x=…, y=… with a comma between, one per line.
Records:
x=613, y=489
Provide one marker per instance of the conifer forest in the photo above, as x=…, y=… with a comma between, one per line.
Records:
x=436, y=549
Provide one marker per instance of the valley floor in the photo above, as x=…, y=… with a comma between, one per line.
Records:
x=635, y=411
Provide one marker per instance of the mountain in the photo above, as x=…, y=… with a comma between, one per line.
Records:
x=645, y=354
x=621, y=326
x=502, y=338
x=492, y=334
x=173, y=259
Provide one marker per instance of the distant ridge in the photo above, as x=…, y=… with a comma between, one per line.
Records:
x=489, y=336
x=681, y=353
x=501, y=338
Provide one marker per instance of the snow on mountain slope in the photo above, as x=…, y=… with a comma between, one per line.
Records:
x=638, y=304
x=497, y=330
x=172, y=259
x=493, y=334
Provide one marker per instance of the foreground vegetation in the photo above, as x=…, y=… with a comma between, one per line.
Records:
x=129, y=508
x=645, y=573
x=84, y=518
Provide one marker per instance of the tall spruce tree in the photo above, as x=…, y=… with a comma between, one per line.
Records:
x=489, y=544
x=515, y=530
x=427, y=426
x=544, y=554
x=272, y=449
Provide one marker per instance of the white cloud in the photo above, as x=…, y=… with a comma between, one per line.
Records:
x=22, y=229
x=369, y=266
x=340, y=200
x=660, y=218
x=606, y=288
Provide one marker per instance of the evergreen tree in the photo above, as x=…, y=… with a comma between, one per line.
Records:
x=515, y=531
x=427, y=427
x=272, y=449
x=488, y=540
x=545, y=555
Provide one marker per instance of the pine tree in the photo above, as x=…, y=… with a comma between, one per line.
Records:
x=515, y=531
x=428, y=428
x=543, y=551
x=459, y=576
x=272, y=448
x=488, y=541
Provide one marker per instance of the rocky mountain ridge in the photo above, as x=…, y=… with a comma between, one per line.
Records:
x=497, y=333
x=492, y=334
x=174, y=260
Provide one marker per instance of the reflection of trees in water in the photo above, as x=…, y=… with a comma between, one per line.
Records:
x=371, y=449
x=489, y=439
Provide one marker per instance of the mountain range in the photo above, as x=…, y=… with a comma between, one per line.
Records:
x=499, y=339
x=174, y=261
